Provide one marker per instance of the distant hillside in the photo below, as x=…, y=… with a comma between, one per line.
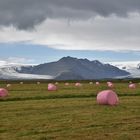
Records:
x=73, y=68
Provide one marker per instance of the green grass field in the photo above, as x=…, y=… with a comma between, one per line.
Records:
x=30, y=112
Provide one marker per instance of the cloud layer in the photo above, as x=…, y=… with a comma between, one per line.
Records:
x=72, y=24
x=13, y=61
x=25, y=14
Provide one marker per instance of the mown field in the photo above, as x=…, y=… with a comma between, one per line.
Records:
x=30, y=112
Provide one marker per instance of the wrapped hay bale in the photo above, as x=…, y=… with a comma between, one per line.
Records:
x=8, y=85
x=66, y=84
x=110, y=84
x=78, y=84
x=97, y=83
x=107, y=97
x=3, y=92
x=52, y=87
x=132, y=86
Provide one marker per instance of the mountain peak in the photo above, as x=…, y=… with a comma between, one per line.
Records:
x=97, y=62
x=67, y=58
x=74, y=68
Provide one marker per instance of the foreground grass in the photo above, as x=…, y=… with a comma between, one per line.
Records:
x=25, y=116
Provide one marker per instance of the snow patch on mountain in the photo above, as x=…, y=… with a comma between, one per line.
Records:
x=133, y=67
x=80, y=68
x=9, y=71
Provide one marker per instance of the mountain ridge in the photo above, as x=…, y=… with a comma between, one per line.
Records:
x=73, y=68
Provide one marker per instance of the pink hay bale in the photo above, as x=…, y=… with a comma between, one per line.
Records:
x=51, y=84
x=3, y=92
x=78, y=84
x=97, y=83
x=51, y=87
x=107, y=97
x=132, y=86
x=66, y=84
x=110, y=84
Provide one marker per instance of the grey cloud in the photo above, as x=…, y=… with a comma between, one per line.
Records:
x=25, y=14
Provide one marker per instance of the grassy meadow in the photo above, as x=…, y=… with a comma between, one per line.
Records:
x=31, y=112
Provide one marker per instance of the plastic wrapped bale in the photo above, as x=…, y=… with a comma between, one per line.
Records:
x=56, y=83
x=97, y=83
x=8, y=85
x=110, y=84
x=107, y=97
x=52, y=87
x=90, y=83
x=38, y=83
x=66, y=84
x=3, y=92
x=78, y=84
x=132, y=86
x=21, y=83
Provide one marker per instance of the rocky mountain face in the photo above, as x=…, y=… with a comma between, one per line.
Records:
x=73, y=68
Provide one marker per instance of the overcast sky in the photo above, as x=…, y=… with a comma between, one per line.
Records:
x=84, y=25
